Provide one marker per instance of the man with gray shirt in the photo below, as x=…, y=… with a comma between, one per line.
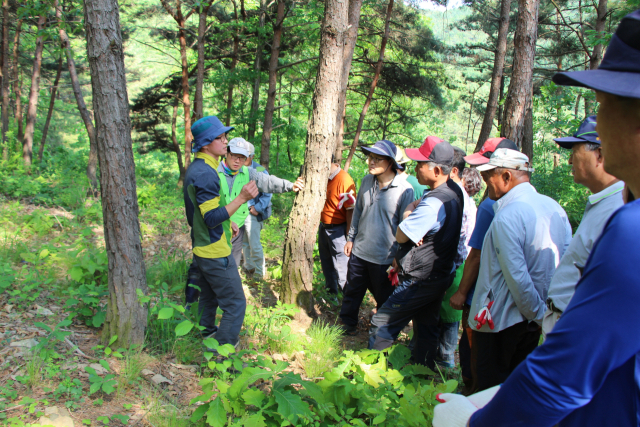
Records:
x=371, y=243
x=587, y=165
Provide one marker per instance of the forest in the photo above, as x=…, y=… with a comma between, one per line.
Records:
x=98, y=101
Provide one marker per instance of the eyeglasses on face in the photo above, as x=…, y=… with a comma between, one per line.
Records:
x=375, y=160
x=222, y=137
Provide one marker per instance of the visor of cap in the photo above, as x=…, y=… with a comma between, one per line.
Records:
x=476, y=159
x=485, y=167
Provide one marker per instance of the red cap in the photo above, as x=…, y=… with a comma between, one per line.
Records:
x=490, y=145
x=433, y=149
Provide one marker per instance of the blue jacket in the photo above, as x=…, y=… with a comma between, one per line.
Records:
x=587, y=372
x=262, y=201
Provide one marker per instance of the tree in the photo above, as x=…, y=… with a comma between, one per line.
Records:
x=257, y=65
x=521, y=84
x=374, y=83
x=297, y=268
x=4, y=73
x=32, y=108
x=52, y=101
x=17, y=86
x=234, y=63
x=126, y=317
x=198, y=102
x=496, y=75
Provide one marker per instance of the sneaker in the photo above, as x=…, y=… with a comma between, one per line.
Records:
x=445, y=364
x=348, y=329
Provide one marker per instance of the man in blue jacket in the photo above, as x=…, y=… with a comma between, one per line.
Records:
x=587, y=372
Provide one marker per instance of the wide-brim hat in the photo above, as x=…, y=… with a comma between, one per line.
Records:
x=585, y=133
x=619, y=72
x=384, y=148
x=489, y=146
x=433, y=149
x=401, y=158
x=205, y=130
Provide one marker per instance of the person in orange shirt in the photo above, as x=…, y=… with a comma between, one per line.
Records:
x=335, y=221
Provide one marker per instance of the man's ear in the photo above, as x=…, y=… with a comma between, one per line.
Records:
x=506, y=176
x=599, y=156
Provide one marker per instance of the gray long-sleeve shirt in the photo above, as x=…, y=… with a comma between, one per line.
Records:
x=376, y=216
x=266, y=183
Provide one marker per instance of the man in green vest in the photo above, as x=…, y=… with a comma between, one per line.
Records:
x=234, y=175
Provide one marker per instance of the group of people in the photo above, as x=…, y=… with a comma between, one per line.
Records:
x=510, y=270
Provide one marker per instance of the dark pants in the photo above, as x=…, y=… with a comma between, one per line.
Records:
x=363, y=275
x=236, y=244
x=464, y=349
x=412, y=300
x=193, y=278
x=331, y=241
x=221, y=286
x=498, y=354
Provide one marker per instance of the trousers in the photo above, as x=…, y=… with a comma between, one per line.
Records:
x=331, y=241
x=236, y=245
x=251, y=246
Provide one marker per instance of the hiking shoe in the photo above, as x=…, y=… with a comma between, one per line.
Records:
x=348, y=329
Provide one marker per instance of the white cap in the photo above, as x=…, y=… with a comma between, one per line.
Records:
x=252, y=149
x=506, y=158
x=240, y=146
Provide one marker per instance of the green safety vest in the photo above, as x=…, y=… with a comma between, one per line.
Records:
x=240, y=180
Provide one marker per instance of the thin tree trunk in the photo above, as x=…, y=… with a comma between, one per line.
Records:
x=174, y=140
x=52, y=101
x=297, y=268
x=496, y=76
x=500, y=103
x=5, y=77
x=273, y=80
x=372, y=89
x=17, y=86
x=32, y=108
x=186, y=103
x=527, y=140
x=515, y=106
x=126, y=317
x=234, y=63
x=198, y=102
x=355, y=7
x=257, y=65
x=92, y=163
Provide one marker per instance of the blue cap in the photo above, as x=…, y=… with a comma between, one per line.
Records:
x=585, y=133
x=619, y=72
x=205, y=130
x=384, y=148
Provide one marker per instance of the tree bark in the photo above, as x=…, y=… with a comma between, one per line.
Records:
x=522, y=76
x=372, y=89
x=54, y=90
x=198, y=102
x=32, y=108
x=126, y=317
x=273, y=80
x=527, y=141
x=5, y=77
x=297, y=268
x=17, y=87
x=234, y=63
x=174, y=140
x=355, y=6
x=257, y=65
x=497, y=74
x=92, y=163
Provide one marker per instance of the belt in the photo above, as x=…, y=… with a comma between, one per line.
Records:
x=552, y=307
x=329, y=226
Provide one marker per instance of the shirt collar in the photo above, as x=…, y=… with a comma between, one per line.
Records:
x=334, y=174
x=609, y=191
x=214, y=163
x=516, y=191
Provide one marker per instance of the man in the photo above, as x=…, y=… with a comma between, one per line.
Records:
x=461, y=299
x=428, y=241
x=522, y=248
x=585, y=373
x=371, y=243
x=234, y=175
x=209, y=209
x=335, y=222
x=587, y=165
x=259, y=211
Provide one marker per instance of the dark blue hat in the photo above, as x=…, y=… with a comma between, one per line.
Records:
x=585, y=133
x=384, y=148
x=205, y=130
x=619, y=72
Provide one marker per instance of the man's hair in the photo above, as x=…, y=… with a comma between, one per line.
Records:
x=518, y=174
x=333, y=158
x=458, y=160
x=591, y=146
x=472, y=181
x=446, y=169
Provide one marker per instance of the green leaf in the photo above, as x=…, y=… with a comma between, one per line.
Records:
x=76, y=274
x=104, y=364
x=44, y=253
x=98, y=319
x=253, y=397
x=380, y=418
x=286, y=380
x=43, y=326
x=113, y=339
x=211, y=343
x=199, y=412
x=290, y=406
x=255, y=420
x=124, y=419
x=95, y=387
x=248, y=377
x=216, y=415
x=165, y=313
x=109, y=386
x=399, y=356
x=184, y=327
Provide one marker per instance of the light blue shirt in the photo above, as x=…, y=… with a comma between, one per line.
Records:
x=262, y=201
x=426, y=219
x=599, y=208
x=523, y=246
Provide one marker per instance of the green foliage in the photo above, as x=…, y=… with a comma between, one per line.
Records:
x=323, y=348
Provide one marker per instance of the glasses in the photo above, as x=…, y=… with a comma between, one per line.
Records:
x=374, y=160
x=222, y=137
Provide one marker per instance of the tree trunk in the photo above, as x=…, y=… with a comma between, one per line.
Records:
x=126, y=317
x=17, y=87
x=496, y=76
x=374, y=83
x=198, y=102
x=234, y=63
x=297, y=268
x=176, y=146
x=515, y=106
x=32, y=108
x=92, y=163
x=527, y=141
x=186, y=103
x=5, y=77
x=273, y=80
x=257, y=65
x=54, y=89
x=355, y=7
